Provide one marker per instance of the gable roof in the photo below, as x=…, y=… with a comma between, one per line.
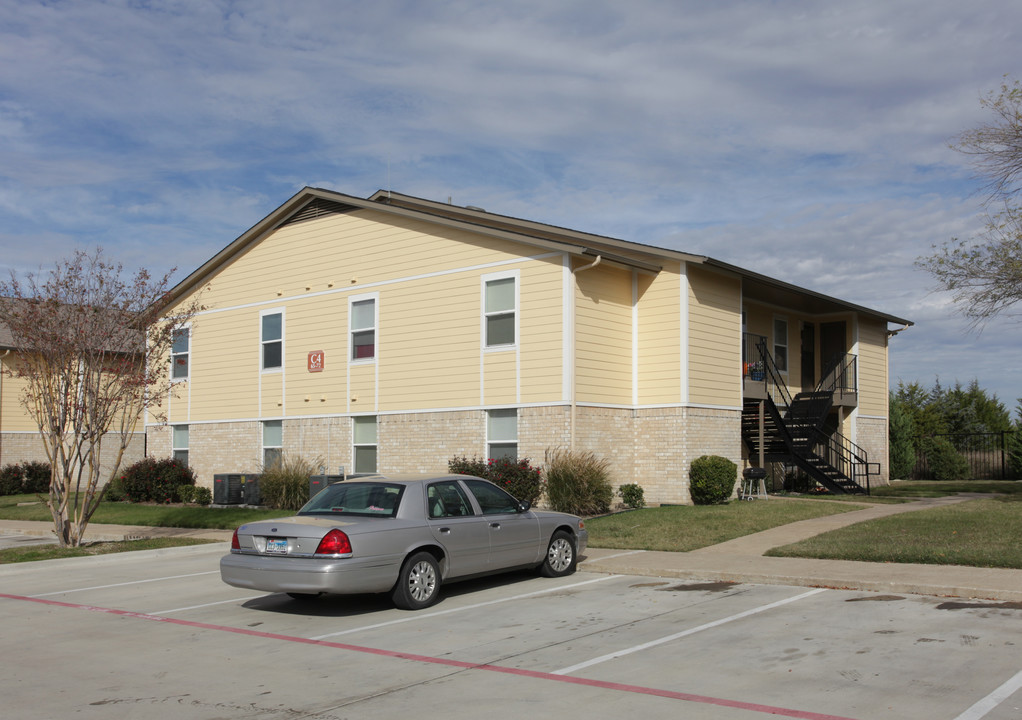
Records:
x=312, y=202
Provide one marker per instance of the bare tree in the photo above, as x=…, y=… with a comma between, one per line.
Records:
x=984, y=274
x=92, y=347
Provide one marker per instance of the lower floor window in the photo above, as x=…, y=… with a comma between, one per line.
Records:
x=273, y=442
x=502, y=434
x=180, y=444
x=364, y=444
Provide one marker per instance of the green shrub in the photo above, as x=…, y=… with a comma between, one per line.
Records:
x=632, y=495
x=284, y=485
x=202, y=496
x=945, y=462
x=10, y=480
x=712, y=480
x=115, y=490
x=578, y=482
x=185, y=493
x=516, y=476
x=152, y=480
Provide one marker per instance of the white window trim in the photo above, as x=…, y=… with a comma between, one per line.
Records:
x=283, y=332
x=502, y=441
x=375, y=297
x=188, y=328
x=262, y=439
x=174, y=449
x=504, y=275
x=786, y=344
x=355, y=445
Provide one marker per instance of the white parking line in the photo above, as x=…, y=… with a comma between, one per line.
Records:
x=617, y=555
x=981, y=708
x=133, y=582
x=206, y=605
x=423, y=616
x=683, y=633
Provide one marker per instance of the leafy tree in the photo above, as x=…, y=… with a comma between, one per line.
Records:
x=92, y=345
x=901, y=439
x=984, y=274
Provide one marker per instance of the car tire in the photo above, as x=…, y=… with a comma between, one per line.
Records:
x=418, y=583
x=561, y=557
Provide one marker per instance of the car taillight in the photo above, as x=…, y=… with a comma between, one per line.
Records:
x=334, y=542
x=235, y=545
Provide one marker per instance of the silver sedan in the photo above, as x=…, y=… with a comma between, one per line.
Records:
x=402, y=535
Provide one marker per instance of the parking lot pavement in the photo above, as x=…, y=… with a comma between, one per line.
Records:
x=158, y=634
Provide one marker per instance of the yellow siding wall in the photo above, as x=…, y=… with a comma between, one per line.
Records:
x=715, y=330
x=603, y=336
x=660, y=337
x=429, y=334
x=13, y=415
x=873, y=377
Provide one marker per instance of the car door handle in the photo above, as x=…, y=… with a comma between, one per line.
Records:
x=445, y=530
x=495, y=525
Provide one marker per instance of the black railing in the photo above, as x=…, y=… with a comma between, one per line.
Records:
x=986, y=453
x=752, y=360
x=840, y=374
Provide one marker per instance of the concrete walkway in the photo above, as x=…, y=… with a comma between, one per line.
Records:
x=739, y=560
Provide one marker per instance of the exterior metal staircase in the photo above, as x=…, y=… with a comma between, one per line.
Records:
x=798, y=436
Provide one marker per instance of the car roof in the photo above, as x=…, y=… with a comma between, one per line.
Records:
x=407, y=478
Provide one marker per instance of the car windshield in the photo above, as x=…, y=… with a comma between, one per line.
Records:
x=364, y=499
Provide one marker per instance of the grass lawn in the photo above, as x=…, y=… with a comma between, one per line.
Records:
x=53, y=552
x=688, y=527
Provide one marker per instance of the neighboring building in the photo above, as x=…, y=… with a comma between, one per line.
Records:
x=394, y=333
x=19, y=435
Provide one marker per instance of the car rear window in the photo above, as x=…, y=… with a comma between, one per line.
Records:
x=363, y=499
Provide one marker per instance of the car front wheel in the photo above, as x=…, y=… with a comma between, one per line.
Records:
x=560, y=556
x=418, y=584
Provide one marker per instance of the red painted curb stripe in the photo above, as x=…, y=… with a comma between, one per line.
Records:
x=605, y=685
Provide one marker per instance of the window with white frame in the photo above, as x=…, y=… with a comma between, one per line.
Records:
x=180, y=443
x=781, y=344
x=272, y=339
x=179, y=352
x=362, y=318
x=502, y=434
x=364, y=444
x=500, y=310
x=273, y=442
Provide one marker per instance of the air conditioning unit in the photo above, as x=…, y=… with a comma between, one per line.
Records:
x=235, y=488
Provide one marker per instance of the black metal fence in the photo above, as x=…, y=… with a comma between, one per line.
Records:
x=986, y=453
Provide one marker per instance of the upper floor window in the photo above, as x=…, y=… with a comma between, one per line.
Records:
x=363, y=329
x=500, y=310
x=502, y=434
x=272, y=339
x=179, y=354
x=781, y=344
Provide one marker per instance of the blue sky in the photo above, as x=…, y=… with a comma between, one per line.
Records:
x=805, y=140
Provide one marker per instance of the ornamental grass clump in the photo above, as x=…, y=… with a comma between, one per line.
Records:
x=284, y=485
x=712, y=480
x=578, y=482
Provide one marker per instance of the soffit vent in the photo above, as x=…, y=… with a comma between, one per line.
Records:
x=316, y=209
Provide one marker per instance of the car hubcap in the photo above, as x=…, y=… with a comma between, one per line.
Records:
x=422, y=581
x=559, y=555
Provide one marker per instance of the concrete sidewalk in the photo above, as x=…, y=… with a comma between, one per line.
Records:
x=739, y=560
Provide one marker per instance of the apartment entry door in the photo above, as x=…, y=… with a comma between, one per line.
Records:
x=808, y=356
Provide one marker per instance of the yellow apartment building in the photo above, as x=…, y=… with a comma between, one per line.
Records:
x=393, y=333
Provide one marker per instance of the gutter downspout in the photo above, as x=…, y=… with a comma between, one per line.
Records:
x=574, y=348
x=6, y=353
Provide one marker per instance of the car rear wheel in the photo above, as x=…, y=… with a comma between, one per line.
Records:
x=560, y=556
x=418, y=584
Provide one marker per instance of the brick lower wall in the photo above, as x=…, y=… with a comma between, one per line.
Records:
x=28, y=447
x=651, y=447
x=871, y=435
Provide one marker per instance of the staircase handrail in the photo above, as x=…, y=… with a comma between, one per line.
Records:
x=853, y=459
x=773, y=375
x=841, y=367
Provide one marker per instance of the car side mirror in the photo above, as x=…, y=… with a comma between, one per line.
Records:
x=523, y=506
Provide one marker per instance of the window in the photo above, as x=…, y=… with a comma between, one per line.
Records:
x=781, y=344
x=491, y=499
x=500, y=306
x=502, y=434
x=273, y=442
x=179, y=354
x=363, y=329
x=364, y=444
x=180, y=444
x=447, y=499
x=272, y=338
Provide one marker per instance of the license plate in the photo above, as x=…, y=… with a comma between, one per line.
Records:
x=277, y=546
